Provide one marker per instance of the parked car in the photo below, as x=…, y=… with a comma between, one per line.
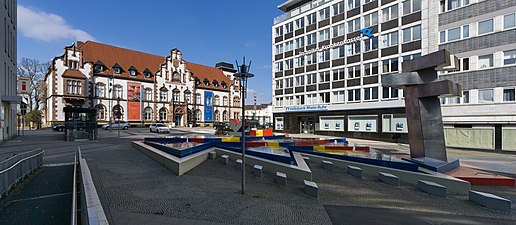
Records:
x=58, y=127
x=159, y=128
x=124, y=125
x=222, y=128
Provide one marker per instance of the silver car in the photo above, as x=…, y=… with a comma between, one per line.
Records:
x=124, y=125
x=159, y=128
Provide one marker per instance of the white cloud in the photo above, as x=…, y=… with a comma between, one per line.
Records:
x=47, y=26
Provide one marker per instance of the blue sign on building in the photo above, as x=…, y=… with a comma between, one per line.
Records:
x=208, y=106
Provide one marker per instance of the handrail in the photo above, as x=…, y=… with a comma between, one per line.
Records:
x=74, y=190
x=17, y=167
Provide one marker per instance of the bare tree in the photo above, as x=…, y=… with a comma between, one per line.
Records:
x=35, y=71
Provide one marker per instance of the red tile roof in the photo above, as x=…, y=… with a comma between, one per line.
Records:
x=110, y=55
x=74, y=74
x=210, y=73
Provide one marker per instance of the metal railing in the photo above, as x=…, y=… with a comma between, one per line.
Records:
x=14, y=169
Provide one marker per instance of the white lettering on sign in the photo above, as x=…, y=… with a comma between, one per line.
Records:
x=336, y=44
x=307, y=107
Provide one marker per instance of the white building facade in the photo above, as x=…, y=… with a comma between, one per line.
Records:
x=329, y=56
x=145, y=88
x=8, y=62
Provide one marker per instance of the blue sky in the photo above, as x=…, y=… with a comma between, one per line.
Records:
x=206, y=31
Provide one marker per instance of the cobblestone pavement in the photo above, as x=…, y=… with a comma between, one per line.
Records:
x=136, y=190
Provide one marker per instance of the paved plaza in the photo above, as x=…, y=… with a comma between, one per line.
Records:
x=134, y=189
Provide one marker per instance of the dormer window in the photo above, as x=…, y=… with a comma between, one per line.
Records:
x=133, y=71
x=147, y=73
x=99, y=68
x=215, y=83
x=224, y=85
x=206, y=82
x=116, y=70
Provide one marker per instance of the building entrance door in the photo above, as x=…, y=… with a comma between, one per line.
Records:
x=177, y=120
x=306, y=125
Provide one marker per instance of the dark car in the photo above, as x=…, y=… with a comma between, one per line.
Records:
x=222, y=128
x=58, y=127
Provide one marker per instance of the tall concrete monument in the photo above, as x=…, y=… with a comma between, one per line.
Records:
x=422, y=90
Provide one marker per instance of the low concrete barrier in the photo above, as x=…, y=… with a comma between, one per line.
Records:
x=389, y=179
x=327, y=165
x=452, y=184
x=432, y=188
x=281, y=178
x=490, y=201
x=257, y=171
x=354, y=171
x=212, y=155
x=239, y=163
x=311, y=189
x=225, y=159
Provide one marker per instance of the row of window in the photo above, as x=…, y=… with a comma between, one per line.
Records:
x=388, y=13
x=9, y=39
x=482, y=27
x=447, y=5
x=483, y=96
x=73, y=87
x=507, y=58
x=343, y=96
x=9, y=80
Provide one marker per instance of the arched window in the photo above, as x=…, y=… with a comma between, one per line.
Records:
x=118, y=110
x=163, y=114
x=216, y=100
x=101, y=112
x=100, y=90
x=198, y=115
x=187, y=96
x=236, y=101
x=225, y=101
x=216, y=116
x=118, y=91
x=147, y=113
x=225, y=116
x=198, y=99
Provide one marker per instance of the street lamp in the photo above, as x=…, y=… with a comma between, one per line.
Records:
x=243, y=74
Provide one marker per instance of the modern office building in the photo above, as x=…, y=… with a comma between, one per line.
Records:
x=144, y=87
x=8, y=96
x=329, y=56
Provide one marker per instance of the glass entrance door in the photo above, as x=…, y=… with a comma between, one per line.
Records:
x=306, y=125
x=177, y=120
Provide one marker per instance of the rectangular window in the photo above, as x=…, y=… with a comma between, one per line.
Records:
x=338, y=8
x=412, y=34
x=311, y=58
x=442, y=36
x=390, y=65
x=300, y=23
x=300, y=100
x=354, y=48
x=338, y=30
x=508, y=95
x=338, y=96
x=509, y=21
x=485, y=96
x=371, y=44
x=289, y=45
x=396, y=123
x=390, y=13
x=279, y=66
x=353, y=72
x=311, y=99
x=324, y=97
x=79, y=88
x=371, y=93
x=279, y=31
x=354, y=25
x=300, y=81
x=353, y=4
x=289, y=27
x=465, y=31
x=311, y=39
x=289, y=82
x=391, y=39
x=289, y=64
x=485, y=26
x=289, y=100
x=299, y=61
x=279, y=84
x=389, y=93
x=69, y=87
x=371, y=69
x=354, y=95
x=371, y=19
x=509, y=57
x=454, y=34
x=485, y=61
x=279, y=49
x=324, y=13
x=324, y=77
x=300, y=42
x=339, y=74
x=410, y=6
x=324, y=55
x=338, y=52
x=311, y=79
x=279, y=123
x=465, y=97
x=324, y=35
x=311, y=18
x=279, y=102
x=465, y=64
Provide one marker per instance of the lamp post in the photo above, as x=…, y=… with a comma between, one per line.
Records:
x=243, y=74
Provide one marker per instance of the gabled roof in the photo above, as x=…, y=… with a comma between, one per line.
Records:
x=205, y=72
x=125, y=58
